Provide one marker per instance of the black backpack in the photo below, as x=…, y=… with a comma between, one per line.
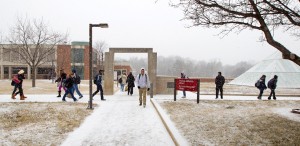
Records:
x=120, y=80
x=257, y=84
x=77, y=79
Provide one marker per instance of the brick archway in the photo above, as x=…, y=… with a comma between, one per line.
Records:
x=109, y=66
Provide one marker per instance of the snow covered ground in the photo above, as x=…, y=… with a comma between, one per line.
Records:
x=120, y=121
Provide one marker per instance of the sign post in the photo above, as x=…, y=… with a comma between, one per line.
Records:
x=187, y=85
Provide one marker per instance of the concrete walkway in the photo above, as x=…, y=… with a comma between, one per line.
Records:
x=121, y=121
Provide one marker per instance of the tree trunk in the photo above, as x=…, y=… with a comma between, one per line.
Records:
x=33, y=76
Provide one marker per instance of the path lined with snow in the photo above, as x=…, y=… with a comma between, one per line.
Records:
x=121, y=121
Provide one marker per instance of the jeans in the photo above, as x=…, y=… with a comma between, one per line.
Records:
x=122, y=87
x=17, y=86
x=69, y=91
x=75, y=88
x=99, y=88
x=221, y=92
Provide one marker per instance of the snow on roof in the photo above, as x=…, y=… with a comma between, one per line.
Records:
x=287, y=71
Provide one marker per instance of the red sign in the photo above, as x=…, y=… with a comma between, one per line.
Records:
x=186, y=84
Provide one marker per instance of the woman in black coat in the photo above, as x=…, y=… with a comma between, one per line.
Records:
x=262, y=85
x=130, y=81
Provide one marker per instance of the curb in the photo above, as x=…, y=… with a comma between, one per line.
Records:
x=177, y=138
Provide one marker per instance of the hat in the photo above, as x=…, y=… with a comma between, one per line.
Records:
x=21, y=71
x=73, y=71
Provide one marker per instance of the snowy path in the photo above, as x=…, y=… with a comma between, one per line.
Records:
x=121, y=121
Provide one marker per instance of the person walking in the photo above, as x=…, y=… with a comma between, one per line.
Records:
x=183, y=76
x=98, y=82
x=69, y=85
x=77, y=81
x=272, y=84
x=60, y=81
x=130, y=81
x=18, y=81
x=261, y=85
x=143, y=83
x=219, y=81
x=123, y=83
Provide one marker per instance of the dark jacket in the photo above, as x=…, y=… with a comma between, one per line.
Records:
x=98, y=79
x=130, y=80
x=21, y=77
x=272, y=83
x=219, y=81
x=69, y=83
x=262, y=85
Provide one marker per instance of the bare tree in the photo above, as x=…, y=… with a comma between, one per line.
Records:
x=100, y=47
x=263, y=15
x=34, y=42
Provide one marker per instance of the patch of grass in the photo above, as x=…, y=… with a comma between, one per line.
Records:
x=48, y=122
x=234, y=122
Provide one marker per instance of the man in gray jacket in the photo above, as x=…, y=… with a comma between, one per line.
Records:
x=143, y=83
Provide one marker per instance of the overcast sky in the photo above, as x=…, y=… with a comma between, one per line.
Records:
x=142, y=23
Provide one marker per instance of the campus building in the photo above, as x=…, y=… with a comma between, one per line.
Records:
x=67, y=57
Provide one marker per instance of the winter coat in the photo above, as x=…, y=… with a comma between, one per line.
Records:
x=262, y=85
x=272, y=83
x=130, y=80
x=219, y=81
x=69, y=83
x=124, y=78
x=21, y=77
x=98, y=79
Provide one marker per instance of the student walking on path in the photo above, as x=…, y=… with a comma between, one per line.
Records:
x=123, y=83
x=219, y=81
x=69, y=85
x=130, y=81
x=76, y=80
x=272, y=84
x=261, y=85
x=98, y=82
x=143, y=83
x=60, y=81
x=18, y=82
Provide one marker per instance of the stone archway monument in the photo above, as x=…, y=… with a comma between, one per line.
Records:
x=109, y=66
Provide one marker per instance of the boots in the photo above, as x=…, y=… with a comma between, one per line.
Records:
x=59, y=94
x=13, y=96
x=22, y=97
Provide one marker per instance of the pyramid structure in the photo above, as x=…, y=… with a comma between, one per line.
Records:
x=287, y=71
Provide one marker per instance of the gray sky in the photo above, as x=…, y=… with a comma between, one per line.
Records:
x=142, y=23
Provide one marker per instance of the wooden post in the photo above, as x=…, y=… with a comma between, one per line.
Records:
x=174, y=89
x=198, y=91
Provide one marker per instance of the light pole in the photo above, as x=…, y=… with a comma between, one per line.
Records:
x=102, y=25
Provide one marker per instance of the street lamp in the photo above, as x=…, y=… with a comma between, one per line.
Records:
x=102, y=25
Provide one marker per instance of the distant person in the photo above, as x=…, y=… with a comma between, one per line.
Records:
x=272, y=85
x=219, y=81
x=18, y=82
x=123, y=83
x=130, y=81
x=183, y=76
x=60, y=81
x=261, y=85
x=143, y=83
x=69, y=85
x=77, y=81
x=98, y=82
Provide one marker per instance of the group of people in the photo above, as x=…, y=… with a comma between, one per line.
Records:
x=69, y=83
x=127, y=83
x=260, y=84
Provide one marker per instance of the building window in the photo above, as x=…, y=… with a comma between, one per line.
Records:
x=77, y=55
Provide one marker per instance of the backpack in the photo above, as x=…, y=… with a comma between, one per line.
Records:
x=97, y=79
x=145, y=76
x=12, y=83
x=257, y=84
x=120, y=80
x=77, y=79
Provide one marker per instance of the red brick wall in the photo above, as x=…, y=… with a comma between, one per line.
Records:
x=64, y=58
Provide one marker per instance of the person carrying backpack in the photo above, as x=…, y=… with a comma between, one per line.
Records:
x=77, y=81
x=18, y=81
x=261, y=86
x=143, y=83
x=272, y=84
x=69, y=85
x=98, y=82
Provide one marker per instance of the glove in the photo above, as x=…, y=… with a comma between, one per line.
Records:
x=148, y=89
x=139, y=87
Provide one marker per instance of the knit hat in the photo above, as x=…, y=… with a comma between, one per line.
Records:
x=21, y=71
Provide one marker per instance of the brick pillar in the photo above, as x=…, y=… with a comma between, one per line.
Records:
x=109, y=73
